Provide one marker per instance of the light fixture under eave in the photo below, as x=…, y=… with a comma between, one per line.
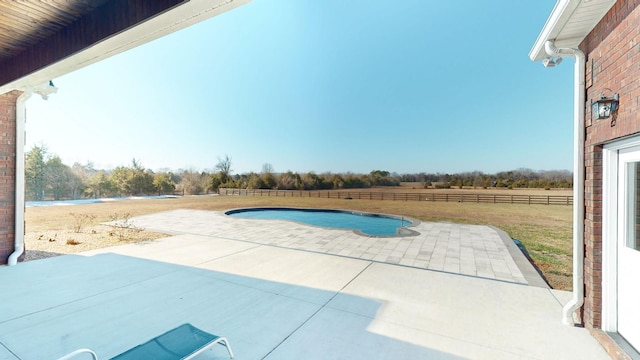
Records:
x=551, y=62
x=604, y=107
x=45, y=89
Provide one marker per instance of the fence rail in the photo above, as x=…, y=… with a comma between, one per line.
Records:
x=400, y=196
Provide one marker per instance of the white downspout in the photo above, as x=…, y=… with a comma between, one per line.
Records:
x=43, y=90
x=578, y=179
x=20, y=182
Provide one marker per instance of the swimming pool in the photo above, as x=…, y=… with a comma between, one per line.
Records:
x=364, y=223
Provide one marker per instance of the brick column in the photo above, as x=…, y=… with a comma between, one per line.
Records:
x=592, y=311
x=7, y=173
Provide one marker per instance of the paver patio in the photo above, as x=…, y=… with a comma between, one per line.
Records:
x=463, y=249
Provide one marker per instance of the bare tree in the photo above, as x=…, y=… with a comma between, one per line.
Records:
x=81, y=180
x=224, y=169
x=193, y=182
x=267, y=168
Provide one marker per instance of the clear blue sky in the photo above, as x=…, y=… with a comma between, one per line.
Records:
x=405, y=86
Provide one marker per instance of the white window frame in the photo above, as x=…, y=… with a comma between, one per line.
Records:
x=610, y=154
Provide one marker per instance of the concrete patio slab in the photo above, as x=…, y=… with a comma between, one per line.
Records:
x=277, y=302
x=182, y=250
x=5, y=354
x=114, y=319
x=476, y=316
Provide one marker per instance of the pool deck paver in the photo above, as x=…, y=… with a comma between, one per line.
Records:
x=473, y=250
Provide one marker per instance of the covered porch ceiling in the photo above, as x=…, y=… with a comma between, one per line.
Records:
x=569, y=23
x=42, y=40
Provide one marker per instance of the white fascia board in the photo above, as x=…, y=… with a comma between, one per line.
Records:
x=569, y=23
x=185, y=15
x=559, y=17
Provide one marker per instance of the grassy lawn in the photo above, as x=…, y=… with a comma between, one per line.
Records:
x=544, y=230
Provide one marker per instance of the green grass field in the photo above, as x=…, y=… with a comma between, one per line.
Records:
x=544, y=230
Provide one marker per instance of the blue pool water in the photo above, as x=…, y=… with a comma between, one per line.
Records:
x=369, y=224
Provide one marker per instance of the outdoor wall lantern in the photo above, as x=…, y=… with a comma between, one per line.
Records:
x=604, y=107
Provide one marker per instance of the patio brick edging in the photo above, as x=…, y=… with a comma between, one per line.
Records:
x=522, y=260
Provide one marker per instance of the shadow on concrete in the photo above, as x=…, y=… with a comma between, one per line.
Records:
x=111, y=303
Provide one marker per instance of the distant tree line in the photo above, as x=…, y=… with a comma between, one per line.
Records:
x=311, y=181
x=48, y=178
x=520, y=178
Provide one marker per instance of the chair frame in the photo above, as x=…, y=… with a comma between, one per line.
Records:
x=78, y=352
x=216, y=340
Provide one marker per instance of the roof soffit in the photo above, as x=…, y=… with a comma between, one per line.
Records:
x=186, y=14
x=569, y=23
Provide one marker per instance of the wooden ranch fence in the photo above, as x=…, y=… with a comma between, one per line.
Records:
x=398, y=196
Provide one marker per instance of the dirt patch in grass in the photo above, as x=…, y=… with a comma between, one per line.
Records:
x=48, y=243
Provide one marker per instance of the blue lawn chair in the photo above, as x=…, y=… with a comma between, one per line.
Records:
x=182, y=343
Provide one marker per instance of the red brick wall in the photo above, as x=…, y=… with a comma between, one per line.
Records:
x=7, y=172
x=613, y=62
